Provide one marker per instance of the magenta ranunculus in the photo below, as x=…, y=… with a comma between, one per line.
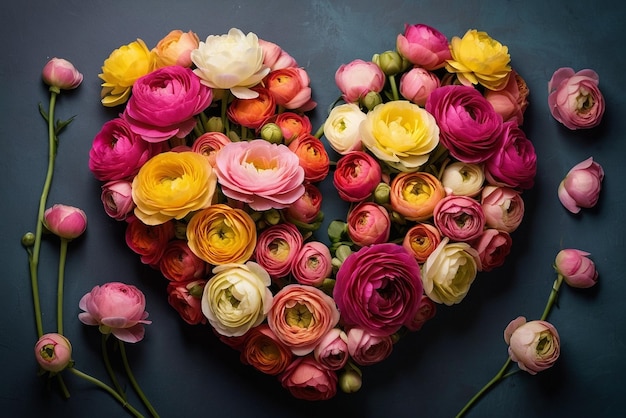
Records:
x=116, y=308
x=277, y=248
x=307, y=379
x=503, y=208
x=356, y=176
x=417, y=84
x=469, y=126
x=357, y=78
x=378, y=288
x=459, y=218
x=423, y=46
x=367, y=349
x=576, y=268
x=368, y=223
x=575, y=99
x=117, y=199
x=259, y=173
x=493, y=246
x=65, y=221
x=581, y=186
x=312, y=264
x=515, y=163
x=164, y=102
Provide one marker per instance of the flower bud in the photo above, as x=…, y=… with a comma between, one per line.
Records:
x=65, y=221
x=53, y=352
x=61, y=74
x=381, y=193
x=350, y=381
x=272, y=133
x=214, y=124
x=576, y=268
x=390, y=62
x=371, y=100
x=581, y=186
x=28, y=239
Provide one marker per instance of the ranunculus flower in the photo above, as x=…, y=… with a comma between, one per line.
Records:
x=178, y=263
x=65, y=221
x=368, y=223
x=292, y=125
x=312, y=264
x=356, y=176
x=477, y=58
x=341, y=127
x=232, y=61
x=378, y=288
x=185, y=298
x=307, y=208
x=252, y=112
x=515, y=163
x=313, y=157
x=290, y=88
x=60, y=74
x=423, y=46
x=460, y=218
x=421, y=240
x=492, y=246
x=53, y=352
x=300, y=316
x=221, y=234
x=149, y=241
x=263, y=351
x=534, y=346
x=209, y=144
x=367, y=349
x=415, y=195
x=307, y=379
x=576, y=268
x=503, y=208
x=121, y=69
x=417, y=84
x=400, y=133
x=261, y=174
x=575, y=99
x=449, y=272
x=357, y=78
x=117, y=199
x=175, y=49
x=427, y=310
x=164, y=102
x=581, y=186
x=237, y=298
x=275, y=57
x=171, y=185
x=277, y=248
x=463, y=179
x=510, y=102
x=332, y=351
x=116, y=308
x=470, y=127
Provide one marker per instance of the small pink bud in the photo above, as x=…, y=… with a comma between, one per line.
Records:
x=65, y=221
x=61, y=74
x=53, y=352
x=576, y=268
x=581, y=186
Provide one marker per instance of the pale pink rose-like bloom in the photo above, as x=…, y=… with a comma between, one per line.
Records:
x=312, y=264
x=575, y=99
x=417, y=84
x=53, y=352
x=65, y=221
x=427, y=310
x=368, y=223
x=576, y=268
x=503, y=208
x=581, y=186
x=493, y=246
x=460, y=218
x=185, y=298
x=534, y=345
x=209, y=144
x=307, y=208
x=259, y=173
x=356, y=176
x=117, y=199
x=277, y=248
x=424, y=46
x=60, y=74
x=274, y=57
x=116, y=308
x=332, y=351
x=307, y=379
x=367, y=349
x=510, y=102
x=357, y=78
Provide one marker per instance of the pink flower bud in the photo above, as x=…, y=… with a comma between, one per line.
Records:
x=357, y=78
x=576, y=268
x=65, y=221
x=61, y=74
x=53, y=352
x=534, y=345
x=417, y=84
x=581, y=186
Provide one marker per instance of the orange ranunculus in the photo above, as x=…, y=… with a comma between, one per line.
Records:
x=290, y=88
x=149, y=241
x=263, y=351
x=313, y=157
x=175, y=49
x=421, y=240
x=414, y=195
x=252, y=113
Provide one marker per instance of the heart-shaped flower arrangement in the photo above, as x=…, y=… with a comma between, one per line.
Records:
x=214, y=167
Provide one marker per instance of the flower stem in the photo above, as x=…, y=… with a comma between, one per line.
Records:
x=320, y=131
x=134, y=382
x=553, y=296
x=499, y=376
x=109, y=369
x=62, y=258
x=394, y=87
x=107, y=388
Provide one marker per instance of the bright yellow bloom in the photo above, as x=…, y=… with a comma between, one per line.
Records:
x=121, y=69
x=479, y=59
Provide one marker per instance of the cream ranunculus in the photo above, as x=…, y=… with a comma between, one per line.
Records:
x=232, y=61
x=237, y=298
x=400, y=133
x=341, y=128
x=463, y=179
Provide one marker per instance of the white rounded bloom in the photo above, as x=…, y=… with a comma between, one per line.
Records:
x=463, y=179
x=341, y=128
x=233, y=61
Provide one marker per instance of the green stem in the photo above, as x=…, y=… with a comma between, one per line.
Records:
x=62, y=258
x=394, y=87
x=109, y=369
x=319, y=132
x=499, y=376
x=107, y=388
x=553, y=296
x=134, y=382
x=64, y=389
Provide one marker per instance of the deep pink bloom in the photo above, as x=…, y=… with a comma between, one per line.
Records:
x=65, y=221
x=277, y=248
x=423, y=46
x=368, y=223
x=576, y=268
x=459, y=218
x=367, y=349
x=185, y=298
x=53, y=352
x=581, y=186
x=427, y=310
x=417, y=84
x=356, y=176
x=357, y=78
x=117, y=199
x=61, y=74
x=307, y=379
x=575, y=99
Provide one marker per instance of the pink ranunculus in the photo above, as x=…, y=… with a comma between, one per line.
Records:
x=332, y=351
x=274, y=57
x=581, y=186
x=117, y=199
x=116, y=308
x=209, y=144
x=261, y=174
x=185, y=298
x=575, y=99
x=65, y=221
x=378, y=288
x=60, y=74
x=178, y=263
x=307, y=208
x=515, y=163
x=164, y=102
x=423, y=46
x=469, y=126
x=307, y=379
x=503, y=208
x=312, y=264
x=534, y=346
x=576, y=268
x=493, y=247
x=460, y=218
x=417, y=84
x=357, y=78
x=53, y=352
x=427, y=310
x=290, y=88
x=356, y=176
x=367, y=349
x=149, y=241
x=277, y=248
x=510, y=102
x=368, y=223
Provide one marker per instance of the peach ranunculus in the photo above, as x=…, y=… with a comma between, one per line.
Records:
x=290, y=88
x=341, y=127
x=185, y=298
x=534, y=346
x=263, y=351
x=171, y=185
x=180, y=264
x=400, y=133
x=313, y=157
x=503, y=208
x=305, y=378
x=261, y=174
x=313, y=264
x=221, y=234
x=510, y=102
x=175, y=49
x=477, y=58
x=368, y=223
x=415, y=195
x=276, y=249
x=301, y=315
x=253, y=112
x=121, y=69
x=367, y=349
x=237, y=298
x=209, y=144
x=421, y=240
x=463, y=179
x=149, y=241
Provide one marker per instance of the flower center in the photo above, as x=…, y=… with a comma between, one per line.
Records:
x=298, y=316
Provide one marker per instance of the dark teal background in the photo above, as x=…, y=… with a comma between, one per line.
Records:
x=432, y=373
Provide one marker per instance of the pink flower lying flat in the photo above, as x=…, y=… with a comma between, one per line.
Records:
x=581, y=186
x=575, y=99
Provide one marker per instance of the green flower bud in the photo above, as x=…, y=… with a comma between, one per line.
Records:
x=390, y=62
x=371, y=100
x=272, y=133
x=381, y=193
x=28, y=240
x=214, y=124
x=233, y=136
x=271, y=216
x=350, y=381
x=343, y=251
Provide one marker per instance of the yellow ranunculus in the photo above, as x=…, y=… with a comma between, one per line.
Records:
x=171, y=185
x=221, y=234
x=400, y=133
x=121, y=69
x=479, y=59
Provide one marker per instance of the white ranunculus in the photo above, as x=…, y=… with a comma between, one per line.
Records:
x=230, y=62
x=341, y=128
x=463, y=179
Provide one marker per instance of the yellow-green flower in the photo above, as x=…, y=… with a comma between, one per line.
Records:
x=479, y=59
x=121, y=69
